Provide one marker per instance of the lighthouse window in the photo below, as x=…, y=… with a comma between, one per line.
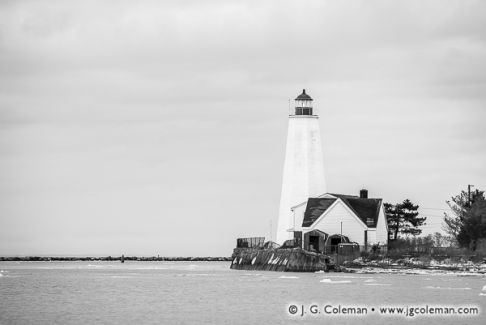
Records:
x=303, y=111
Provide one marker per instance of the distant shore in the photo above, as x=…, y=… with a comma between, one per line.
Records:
x=110, y=258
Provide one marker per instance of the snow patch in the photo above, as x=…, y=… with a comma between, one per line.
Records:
x=352, y=277
x=334, y=282
x=446, y=288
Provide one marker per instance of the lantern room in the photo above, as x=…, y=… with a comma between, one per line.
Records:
x=303, y=104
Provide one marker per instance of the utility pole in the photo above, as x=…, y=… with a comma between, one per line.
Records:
x=398, y=221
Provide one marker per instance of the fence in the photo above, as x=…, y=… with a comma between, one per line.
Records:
x=351, y=249
x=415, y=251
x=251, y=242
x=343, y=252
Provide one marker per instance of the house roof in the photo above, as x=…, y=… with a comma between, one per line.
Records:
x=315, y=208
x=365, y=209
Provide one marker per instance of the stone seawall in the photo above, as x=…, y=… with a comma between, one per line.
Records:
x=284, y=260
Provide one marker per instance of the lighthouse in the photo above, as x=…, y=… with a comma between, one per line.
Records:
x=303, y=174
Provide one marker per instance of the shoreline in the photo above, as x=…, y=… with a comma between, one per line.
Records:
x=413, y=271
x=413, y=266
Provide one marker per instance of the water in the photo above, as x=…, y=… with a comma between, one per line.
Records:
x=211, y=293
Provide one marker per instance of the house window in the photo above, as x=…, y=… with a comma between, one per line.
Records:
x=370, y=222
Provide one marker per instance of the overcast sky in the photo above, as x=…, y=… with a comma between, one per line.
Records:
x=159, y=127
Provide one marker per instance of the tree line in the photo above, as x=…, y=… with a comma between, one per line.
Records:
x=465, y=224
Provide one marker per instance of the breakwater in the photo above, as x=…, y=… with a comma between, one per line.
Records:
x=279, y=259
x=114, y=258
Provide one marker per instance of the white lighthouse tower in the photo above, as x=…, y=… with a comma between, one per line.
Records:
x=303, y=174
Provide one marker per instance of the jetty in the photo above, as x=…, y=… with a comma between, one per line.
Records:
x=254, y=253
x=111, y=258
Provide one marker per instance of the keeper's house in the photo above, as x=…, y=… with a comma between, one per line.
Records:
x=324, y=222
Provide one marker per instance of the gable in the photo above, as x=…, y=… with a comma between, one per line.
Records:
x=367, y=210
x=340, y=219
x=382, y=227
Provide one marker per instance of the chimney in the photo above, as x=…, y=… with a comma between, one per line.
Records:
x=363, y=194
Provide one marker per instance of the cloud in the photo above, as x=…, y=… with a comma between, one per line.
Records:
x=177, y=110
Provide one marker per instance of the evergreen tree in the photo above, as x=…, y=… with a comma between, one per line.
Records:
x=403, y=218
x=467, y=223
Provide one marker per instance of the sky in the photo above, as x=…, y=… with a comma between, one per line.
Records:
x=159, y=127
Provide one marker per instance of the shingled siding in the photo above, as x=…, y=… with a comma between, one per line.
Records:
x=353, y=228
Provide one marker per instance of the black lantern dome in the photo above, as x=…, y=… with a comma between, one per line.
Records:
x=303, y=96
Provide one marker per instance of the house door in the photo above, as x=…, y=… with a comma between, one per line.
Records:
x=335, y=241
x=314, y=243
